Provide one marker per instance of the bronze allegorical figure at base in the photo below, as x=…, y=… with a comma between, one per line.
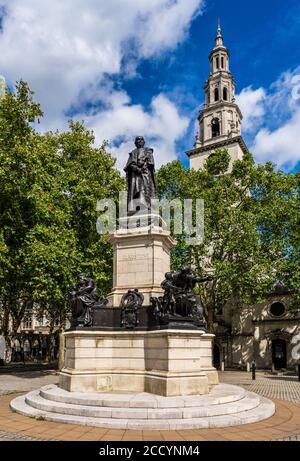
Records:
x=179, y=300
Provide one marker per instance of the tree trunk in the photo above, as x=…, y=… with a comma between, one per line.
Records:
x=49, y=350
x=210, y=320
x=61, y=351
x=5, y=333
x=16, y=322
x=5, y=321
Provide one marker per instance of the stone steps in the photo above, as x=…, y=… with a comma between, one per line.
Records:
x=35, y=400
x=226, y=405
x=225, y=393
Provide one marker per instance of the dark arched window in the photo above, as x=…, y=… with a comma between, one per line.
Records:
x=222, y=63
x=217, y=63
x=215, y=127
x=216, y=94
x=225, y=94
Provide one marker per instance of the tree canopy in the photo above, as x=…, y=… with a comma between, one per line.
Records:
x=49, y=184
x=251, y=238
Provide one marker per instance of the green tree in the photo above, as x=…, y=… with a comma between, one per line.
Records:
x=241, y=206
x=280, y=226
x=89, y=175
x=18, y=166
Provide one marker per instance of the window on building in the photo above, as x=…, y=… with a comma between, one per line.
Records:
x=217, y=62
x=277, y=309
x=201, y=132
x=216, y=94
x=27, y=322
x=222, y=63
x=225, y=94
x=215, y=127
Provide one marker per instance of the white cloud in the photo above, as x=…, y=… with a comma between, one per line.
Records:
x=68, y=50
x=273, y=117
x=282, y=145
x=282, y=91
x=161, y=126
x=251, y=103
x=167, y=25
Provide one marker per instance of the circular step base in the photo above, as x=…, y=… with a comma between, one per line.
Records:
x=225, y=405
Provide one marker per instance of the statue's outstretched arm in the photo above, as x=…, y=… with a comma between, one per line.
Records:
x=209, y=278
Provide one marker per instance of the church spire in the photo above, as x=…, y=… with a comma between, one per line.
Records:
x=219, y=56
x=219, y=38
x=220, y=117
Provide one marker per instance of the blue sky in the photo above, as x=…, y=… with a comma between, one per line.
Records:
x=133, y=66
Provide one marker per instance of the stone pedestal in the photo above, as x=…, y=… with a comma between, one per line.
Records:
x=167, y=360
x=141, y=259
x=163, y=362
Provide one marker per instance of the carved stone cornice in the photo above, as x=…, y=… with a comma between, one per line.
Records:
x=218, y=145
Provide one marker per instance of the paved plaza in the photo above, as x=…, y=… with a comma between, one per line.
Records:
x=278, y=387
x=16, y=381
x=284, y=425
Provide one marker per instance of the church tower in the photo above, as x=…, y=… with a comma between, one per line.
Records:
x=220, y=118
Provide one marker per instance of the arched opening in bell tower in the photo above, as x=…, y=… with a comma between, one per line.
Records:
x=225, y=94
x=216, y=92
x=215, y=127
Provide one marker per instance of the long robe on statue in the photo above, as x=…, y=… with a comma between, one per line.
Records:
x=141, y=184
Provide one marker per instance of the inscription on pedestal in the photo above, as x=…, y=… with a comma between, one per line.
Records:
x=133, y=257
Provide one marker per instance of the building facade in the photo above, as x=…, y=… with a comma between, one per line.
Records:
x=32, y=342
x=267, y=333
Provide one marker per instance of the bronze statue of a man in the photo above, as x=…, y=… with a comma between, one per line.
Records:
x=140, y=176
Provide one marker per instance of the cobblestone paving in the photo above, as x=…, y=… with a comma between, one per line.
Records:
x=292, y=438
x=26, y=381
x=10, y=437
x=270, y=386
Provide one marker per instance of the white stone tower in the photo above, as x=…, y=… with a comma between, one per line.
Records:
x=220, y=118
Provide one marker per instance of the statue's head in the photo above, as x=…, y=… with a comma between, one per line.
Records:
x=139, y=141
x=168, y=276
x=186, y=269
x=81, y=277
